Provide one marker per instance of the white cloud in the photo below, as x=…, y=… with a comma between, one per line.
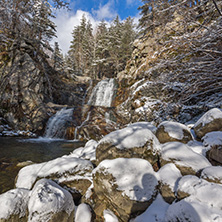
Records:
x=129, y=2
x=106, y=11
x=65, y=22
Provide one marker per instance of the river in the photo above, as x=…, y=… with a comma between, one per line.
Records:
x=17, y=150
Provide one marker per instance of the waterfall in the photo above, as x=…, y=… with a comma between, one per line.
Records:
x=57, y=124
x=102, y=94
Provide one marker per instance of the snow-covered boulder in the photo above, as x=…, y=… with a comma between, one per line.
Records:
x=109, y=216
x=135, y=141
x=88, y=152
x=186, y=160
x=168, y=175
x=169, y=131
x=212, y=174
x=202, y=203
x=210, y=121
x=126, y=186
x=14, y=205
x=155, y=212
x=213, y=142
x=50, y=202
x=189, y=210
x=83, y=213
x=67, y=170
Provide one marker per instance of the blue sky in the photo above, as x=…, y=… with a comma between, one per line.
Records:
x=123, y=8
x=95, y=11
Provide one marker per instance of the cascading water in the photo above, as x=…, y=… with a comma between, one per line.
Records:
x=57, y=124
x=102, y=94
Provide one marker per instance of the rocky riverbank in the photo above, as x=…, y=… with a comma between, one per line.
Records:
x=138, y=173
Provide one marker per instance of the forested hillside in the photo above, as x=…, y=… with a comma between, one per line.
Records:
x=171, y=71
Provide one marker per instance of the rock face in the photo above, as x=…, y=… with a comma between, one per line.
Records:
x=126, y=186
x=133, y=141
x=210, y=121
x=169, y=131
x=24, y=94
x=50, y=202
x=28, y=83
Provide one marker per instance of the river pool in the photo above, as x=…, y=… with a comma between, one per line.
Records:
x=17, y=150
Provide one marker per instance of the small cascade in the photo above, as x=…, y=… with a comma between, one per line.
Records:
x=102, y=94
x=86, y=93
x=57, y=124
x=79, y=127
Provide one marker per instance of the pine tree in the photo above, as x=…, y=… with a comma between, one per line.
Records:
x=57, y=58
x=101, y=53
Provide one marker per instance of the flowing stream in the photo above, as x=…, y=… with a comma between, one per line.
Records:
x=102, y=94
x=57, y=124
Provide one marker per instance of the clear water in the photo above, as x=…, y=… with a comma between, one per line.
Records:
x=15, y=150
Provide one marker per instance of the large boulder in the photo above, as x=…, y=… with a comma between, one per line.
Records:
x=213, y=142
x=67, y=170
x=169, y=131
x=212, y=174
x=136, y=141
x=202, y=201
x=50, y=202
x=168, y=176
x=14, y=205
x=155, y=212
x=210, y=121
x=125, y=186
x=186, y=160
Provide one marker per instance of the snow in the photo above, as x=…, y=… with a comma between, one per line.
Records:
x=174, y=129
x=148, y=104
x=14, y=202
x=183, y=155
x=66, y=164
x=198, y=147
x=155, y=212
x=192, y=211
x=109, y=216
x=83, y=213
x=145, y=125
x=213, y=139
x=212, y=173
x=169, y=174
x=134, y=177
x=209, y=116
x=132, y=136
x=203, y=205
x=88, y=152
x=48, y=198
x=201, y=190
